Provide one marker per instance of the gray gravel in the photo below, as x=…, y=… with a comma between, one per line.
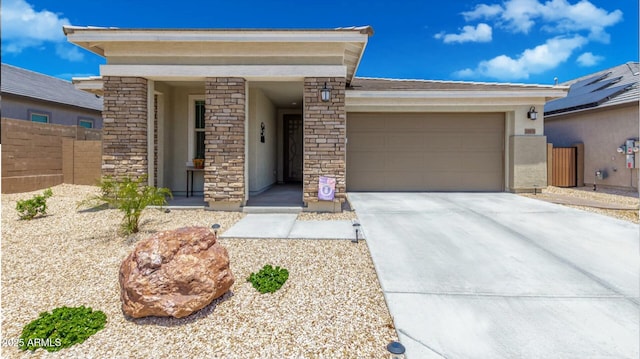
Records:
x=331, y=306
x=602, y=195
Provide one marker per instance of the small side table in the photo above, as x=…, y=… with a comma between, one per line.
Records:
x=190, y=171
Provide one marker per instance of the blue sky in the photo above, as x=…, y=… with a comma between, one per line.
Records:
x=524, y=41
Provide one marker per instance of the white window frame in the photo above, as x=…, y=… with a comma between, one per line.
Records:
x=87, y=120
x=192, y=127
x=39, y=113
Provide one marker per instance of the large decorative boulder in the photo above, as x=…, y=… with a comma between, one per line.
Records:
x=174, y=273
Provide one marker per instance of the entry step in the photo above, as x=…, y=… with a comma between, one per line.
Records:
x=271, y=209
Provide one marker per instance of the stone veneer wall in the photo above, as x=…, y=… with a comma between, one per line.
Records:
x=324, y=141
x=224, y=142
x=124, y=132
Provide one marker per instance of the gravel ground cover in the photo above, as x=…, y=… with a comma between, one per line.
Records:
x=332, y=306
x=311, y=216
x=603, y=195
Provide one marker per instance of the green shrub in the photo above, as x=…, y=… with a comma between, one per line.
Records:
x=61, y=328
x=268, y=279
x=131, y=197
x=37, y=205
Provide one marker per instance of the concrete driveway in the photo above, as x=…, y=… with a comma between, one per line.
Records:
x=496, y=275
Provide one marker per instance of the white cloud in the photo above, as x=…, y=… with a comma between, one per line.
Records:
x=588, y=59
x=558, y=16
x=481, y=33
x=483, y=11
x=583, y=16
x=531, y=61
x=69, y=52
x=573, y=25
x=24, y=27
x=519, y=15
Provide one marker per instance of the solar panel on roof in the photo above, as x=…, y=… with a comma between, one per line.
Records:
x=596, y=86
x=585, y=100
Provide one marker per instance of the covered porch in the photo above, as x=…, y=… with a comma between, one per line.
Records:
x=248, y=102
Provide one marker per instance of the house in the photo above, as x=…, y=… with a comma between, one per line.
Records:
x=270, y=106
x=31, y=96
x=601, y=113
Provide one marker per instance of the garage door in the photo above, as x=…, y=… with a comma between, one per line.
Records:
x=425, y=152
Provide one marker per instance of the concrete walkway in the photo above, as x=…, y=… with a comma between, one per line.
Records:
x=283, y=225
x=496, y=275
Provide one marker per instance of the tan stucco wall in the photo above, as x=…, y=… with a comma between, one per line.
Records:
x=528, y=163
x=176, y=138
x=525, y=150
x=602, y=132
x=262, y=156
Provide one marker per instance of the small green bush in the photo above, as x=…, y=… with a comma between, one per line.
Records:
x=131, y=197
x=61, y=328
x=37, y=205
x=268, y=279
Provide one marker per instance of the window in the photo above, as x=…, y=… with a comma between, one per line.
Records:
x=199, y=129
x=85, y=122
x=196, y=123
x=39, y=117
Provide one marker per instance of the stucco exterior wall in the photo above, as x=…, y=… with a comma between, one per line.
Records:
x=176, y=132
x=601, y=131
x=527, y=163
x=525, y=150
x=17, y=107
x=262, y=156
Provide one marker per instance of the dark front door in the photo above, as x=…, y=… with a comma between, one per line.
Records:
x=293, y=148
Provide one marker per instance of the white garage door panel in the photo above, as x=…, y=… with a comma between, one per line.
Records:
x=425, y=152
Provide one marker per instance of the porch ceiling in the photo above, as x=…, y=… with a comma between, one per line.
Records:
x=284, y=95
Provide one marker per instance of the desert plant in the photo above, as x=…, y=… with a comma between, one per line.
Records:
x=61, y=328
x=37, y=205
x=268, y=279
x=130, y=196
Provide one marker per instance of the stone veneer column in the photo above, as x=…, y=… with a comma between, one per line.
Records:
x=124, y=131
x=224, y=143
x=324, y=141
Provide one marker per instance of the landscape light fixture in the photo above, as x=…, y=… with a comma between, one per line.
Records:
x=532, y=114
x=215, y=227
x=396, y=350
x=325, y=93
x=356, y=227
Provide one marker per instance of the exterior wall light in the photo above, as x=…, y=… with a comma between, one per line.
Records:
x=396, y=350
x=325, y=93
x=532, y=114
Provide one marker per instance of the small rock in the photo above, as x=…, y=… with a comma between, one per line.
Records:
x=174, y=273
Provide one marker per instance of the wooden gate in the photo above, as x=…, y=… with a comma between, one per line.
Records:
x=564, y=170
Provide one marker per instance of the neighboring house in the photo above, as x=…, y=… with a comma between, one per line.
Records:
x=31, y=96
x=601, y=111
x=270, y=106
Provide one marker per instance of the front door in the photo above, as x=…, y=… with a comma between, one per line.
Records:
x=293, y=147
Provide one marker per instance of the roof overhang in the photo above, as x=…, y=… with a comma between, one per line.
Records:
x=450, y=100
x=92, y=84
x=243, y=47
